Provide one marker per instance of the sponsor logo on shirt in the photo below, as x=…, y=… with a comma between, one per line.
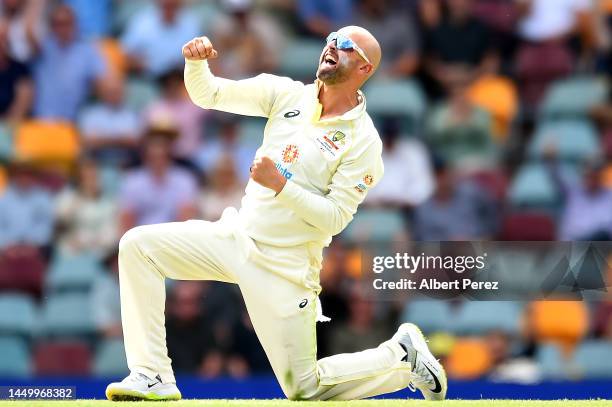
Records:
x=284, y=171
x=291, y=113
x=332, y=143
x=289, y=156
x=291, y=153
x=362, y=187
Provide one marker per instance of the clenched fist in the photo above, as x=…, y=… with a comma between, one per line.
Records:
x=199, y=49
x=264, y=172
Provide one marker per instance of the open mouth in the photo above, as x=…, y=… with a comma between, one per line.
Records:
x=330, y=60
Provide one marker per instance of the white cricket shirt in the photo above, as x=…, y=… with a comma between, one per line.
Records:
x=329, y=164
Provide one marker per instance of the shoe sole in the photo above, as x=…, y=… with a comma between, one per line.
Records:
x=420, y=344
x=133, y=395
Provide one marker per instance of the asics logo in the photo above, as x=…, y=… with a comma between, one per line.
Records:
x=438, y=387
x=303, y=303
x=292, y=113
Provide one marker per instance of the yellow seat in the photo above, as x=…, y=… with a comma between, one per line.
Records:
x=115, y=58
x=47, y=142
x=498, y=96
x=469, y=359
x=3, y=180
x=564, y=323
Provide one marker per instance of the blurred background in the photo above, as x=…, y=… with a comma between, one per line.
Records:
x=496, y=116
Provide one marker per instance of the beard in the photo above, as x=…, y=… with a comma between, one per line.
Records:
x=333, y=75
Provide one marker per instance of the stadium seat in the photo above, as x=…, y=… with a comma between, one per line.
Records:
x=560, y=322
x=430, y=315
x=62, y=358
x=140, y=92
x=73, y=273
x=607, y=143
x=469, y=359
x=67, y=315
x=397, y=98
x=17, y=314
x=6, y=142
x=498, y=96
x=573, y=140
x=15, y=360
x=553, y=365
x=22, y=271
x=113, y=55
x=374, y=225
x=480, y=317
x=527, y=226
x=532, y=187
x=46, y=142
x=299, y=59
x=593, y=359
x=573, y=98
x=110, y=359
x=537, y=66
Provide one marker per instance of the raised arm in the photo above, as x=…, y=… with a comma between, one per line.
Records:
x=250, y=97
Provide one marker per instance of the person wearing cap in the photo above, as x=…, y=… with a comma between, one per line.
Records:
x=320, y=155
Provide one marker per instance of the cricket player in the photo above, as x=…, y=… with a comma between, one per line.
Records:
x=319, y=156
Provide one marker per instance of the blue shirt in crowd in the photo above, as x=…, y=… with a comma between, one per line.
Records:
x=63, y=75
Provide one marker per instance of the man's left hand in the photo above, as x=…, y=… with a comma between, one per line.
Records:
x=264, y=172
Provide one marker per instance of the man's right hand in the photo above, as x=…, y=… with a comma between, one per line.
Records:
x=199, y=49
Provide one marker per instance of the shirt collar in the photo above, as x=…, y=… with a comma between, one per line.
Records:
x=352, y=114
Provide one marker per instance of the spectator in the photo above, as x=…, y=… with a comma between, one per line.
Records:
x=86, y=218
x=546, y=20
x=110, y=129
x=189, y=334
x=105, y=301
x=587, y=211
x=457, y=48
x=177, y=109
x=21, y=27
x=227, y=143
x=15, y=88
x=396, y=32
x=154, y=37
x=247, y=354
x=458, y=210
x=158, y=191
x=244, y=36
x=361, y=330
x=320, y=17
x=224, y=189
x=94, y=17
x=408, y=179
x=26, y=210
x=65, y=69
x=460, y=132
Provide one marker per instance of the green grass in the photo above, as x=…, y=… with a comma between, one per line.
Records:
x=284, y=403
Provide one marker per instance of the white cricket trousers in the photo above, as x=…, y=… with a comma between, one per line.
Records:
x=282, y=308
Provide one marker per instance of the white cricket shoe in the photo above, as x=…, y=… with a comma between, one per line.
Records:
x=137, y=387
x=428, y=374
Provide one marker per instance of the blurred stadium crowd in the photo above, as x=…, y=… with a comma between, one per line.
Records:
x=496, y=117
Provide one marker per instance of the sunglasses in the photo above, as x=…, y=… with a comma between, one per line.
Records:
x=345, y=43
